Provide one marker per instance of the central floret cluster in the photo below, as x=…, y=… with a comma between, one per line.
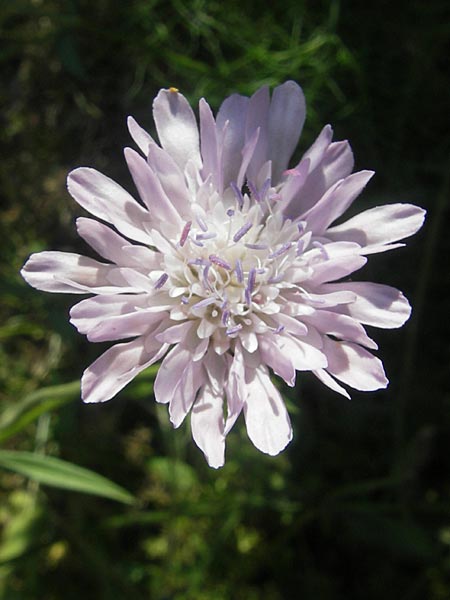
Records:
x=230, y=266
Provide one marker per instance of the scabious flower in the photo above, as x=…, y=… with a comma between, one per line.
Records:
x=230, y=267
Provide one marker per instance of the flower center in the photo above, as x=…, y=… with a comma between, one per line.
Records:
x=230, y=263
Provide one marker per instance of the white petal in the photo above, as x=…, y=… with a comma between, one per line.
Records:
x=375, y=304
x=231, y=129
x=177, y=127
x=170, y=178
x=149, y=187
x=235, y=388
x=115, y=368
x=266, y=417
x=141, y=137
x=207, y=426
x=279, y=362
x=257, y=119
x=354, y=366
x=168, y=374
x=336, y=201
x=341, y=326
x=209, y=147
x=326, y=379
x=86, y=315
x=124, y=326
x=188, y=383
x=286, y=118
x=107, y=200
x=66, y=272
x=380, y=225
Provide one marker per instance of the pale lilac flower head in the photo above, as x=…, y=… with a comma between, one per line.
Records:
x=230, y=266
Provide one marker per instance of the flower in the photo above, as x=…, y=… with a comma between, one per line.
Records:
x=230, y=267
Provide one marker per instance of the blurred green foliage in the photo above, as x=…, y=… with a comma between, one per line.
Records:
x=358, y=507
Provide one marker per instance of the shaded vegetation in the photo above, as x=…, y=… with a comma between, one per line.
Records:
x=358, y=507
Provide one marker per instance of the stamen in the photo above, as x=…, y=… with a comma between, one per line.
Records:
x=279, y=329
x=282, y=250
x=205, y=236
x=234, y=329
x=230, y=212
x=184, y=299
x=197, y=243
x=225, y=317
x=203, y=226
x=206, y=283
x=185, y=233
x=322, y=249
x=301, y=226
x=253, y=190
x=251, y=280
x=238, y=194
x=161, y=281
x=276, y=278
x=198, y=262
x=242, y=231
x=205, y=302
x=239, y=272
x=300, y=247
x=219, y=262
x=265, y=188
x=256, y=246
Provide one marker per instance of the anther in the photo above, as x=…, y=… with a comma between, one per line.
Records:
x=205, y=236
x=161, y=281
x=256, y=246
x=282, y=250
x=185, y=233
x=239, y=272
x=219, y=262
x=238, y=194
x=205, y=302
x=234, y=329
x=242, y=231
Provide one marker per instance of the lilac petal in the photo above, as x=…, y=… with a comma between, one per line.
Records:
x=215, y=367
x=207, y=426
x=375, y=304
x=170, y=178
x=159, y=203
x=209, y=146
x=303, y=355
x=86, y=315
x=380, y=225
x=286, y=118
x=336, y=201
x=257, y=119
x=107, y=200
x=115, y=368
x=65, y=272
x=327, y=380
x=336, y=268
x=112, y=246
x=291, y=324
x=341, y=326
x=354, y=366
x=336, y=163
x=188, y=384
x=235, y=388
x=169, y=371
x=176, y=333
x=231, y=132
x=279, y=362
x=266, y=417
x=124, y=326
x=247, y=154
x=141, y=137
x=317, y=151
x=177, y=127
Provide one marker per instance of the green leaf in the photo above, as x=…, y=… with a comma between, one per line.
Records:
x=55, y=472
x=19, y=415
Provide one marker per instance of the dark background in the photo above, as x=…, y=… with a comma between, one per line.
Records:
x=358, y=506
